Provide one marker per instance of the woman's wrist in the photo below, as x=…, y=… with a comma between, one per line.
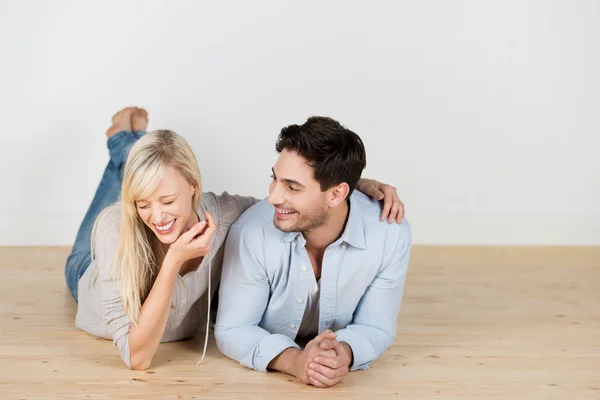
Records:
x=172, y=263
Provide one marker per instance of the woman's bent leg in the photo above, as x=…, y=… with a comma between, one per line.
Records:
x=107, y=193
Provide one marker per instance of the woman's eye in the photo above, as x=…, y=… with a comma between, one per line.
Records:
x=166, y=203
x=143, y=207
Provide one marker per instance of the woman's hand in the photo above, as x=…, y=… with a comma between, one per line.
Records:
x=194, y=243
x=393, y=208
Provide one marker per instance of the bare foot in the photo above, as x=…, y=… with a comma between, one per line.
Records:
x=121, y=121
x=139, y=120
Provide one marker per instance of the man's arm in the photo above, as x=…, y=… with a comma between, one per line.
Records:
x=243, y=298
x=373, y=328
x=286, y=361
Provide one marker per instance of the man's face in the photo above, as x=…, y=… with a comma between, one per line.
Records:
x=299, y=203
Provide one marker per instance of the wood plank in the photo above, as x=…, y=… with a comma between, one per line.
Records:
x=489, y=322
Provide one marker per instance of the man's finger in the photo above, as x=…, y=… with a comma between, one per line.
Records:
x=316, y=383
x=326, y=371
x=333, y=363
x=329, y=344
x=328, y=334
x=322, y=378
x=319, y=352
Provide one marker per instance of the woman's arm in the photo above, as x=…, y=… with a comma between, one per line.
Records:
x=145, y=337
x=138, y=344
x=393, y=208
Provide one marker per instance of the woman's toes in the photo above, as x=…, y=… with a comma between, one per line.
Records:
x=139, y=120
x=121, y=121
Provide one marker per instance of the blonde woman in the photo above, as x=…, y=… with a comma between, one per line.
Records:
x=148, y=255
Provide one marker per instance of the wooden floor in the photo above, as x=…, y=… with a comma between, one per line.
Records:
x=476, y=323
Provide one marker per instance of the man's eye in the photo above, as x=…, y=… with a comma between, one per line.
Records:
x=293, y=189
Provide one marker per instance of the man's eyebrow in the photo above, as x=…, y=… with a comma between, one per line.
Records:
x=293, y=182
x=288, y=180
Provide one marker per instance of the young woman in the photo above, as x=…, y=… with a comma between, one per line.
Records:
x=155, y=242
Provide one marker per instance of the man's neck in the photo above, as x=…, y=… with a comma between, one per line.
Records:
x=317, y=240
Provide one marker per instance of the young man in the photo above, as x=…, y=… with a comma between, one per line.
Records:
x=313, y=262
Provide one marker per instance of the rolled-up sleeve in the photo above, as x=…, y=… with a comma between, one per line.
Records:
x=373, y=328
x=243, y=298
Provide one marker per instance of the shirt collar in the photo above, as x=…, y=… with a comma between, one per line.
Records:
x=289, y=236
x=354, y=233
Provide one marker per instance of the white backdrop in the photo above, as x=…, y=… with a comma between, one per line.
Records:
x=485, y=114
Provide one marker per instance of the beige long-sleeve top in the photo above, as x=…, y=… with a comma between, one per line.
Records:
x=100, y=306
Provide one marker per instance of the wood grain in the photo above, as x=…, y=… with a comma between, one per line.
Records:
x=476, y=323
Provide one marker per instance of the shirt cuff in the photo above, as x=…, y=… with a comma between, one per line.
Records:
x=269, y=348
x=362, y=350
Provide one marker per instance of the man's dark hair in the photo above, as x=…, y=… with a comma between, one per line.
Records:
x=336, y=153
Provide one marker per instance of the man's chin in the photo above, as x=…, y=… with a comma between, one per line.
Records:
x=284, y=226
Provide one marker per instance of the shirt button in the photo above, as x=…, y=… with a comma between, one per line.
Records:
x=304, y=269
x=292, y=326
x=183, y=301
x=299, y=301
x=294, y=244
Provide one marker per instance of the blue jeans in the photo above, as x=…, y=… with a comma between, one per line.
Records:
x=108, y=192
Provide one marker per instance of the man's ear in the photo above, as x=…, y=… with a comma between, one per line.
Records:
x=339, y=194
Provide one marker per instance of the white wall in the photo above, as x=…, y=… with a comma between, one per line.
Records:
x=485, y=114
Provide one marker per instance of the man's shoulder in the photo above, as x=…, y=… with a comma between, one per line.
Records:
x=371, y=209
x=256, y=218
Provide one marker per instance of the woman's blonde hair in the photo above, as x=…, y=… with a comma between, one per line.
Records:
x=138, y=254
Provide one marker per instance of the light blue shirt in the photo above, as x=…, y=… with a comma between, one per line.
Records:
x=266, y=280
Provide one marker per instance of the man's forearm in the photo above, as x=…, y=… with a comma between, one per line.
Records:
x=284, y=362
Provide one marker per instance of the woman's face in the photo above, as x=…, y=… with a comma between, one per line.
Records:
x=168, y=211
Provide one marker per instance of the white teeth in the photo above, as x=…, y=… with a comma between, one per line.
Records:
x=165, y=227
x=284, y=212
